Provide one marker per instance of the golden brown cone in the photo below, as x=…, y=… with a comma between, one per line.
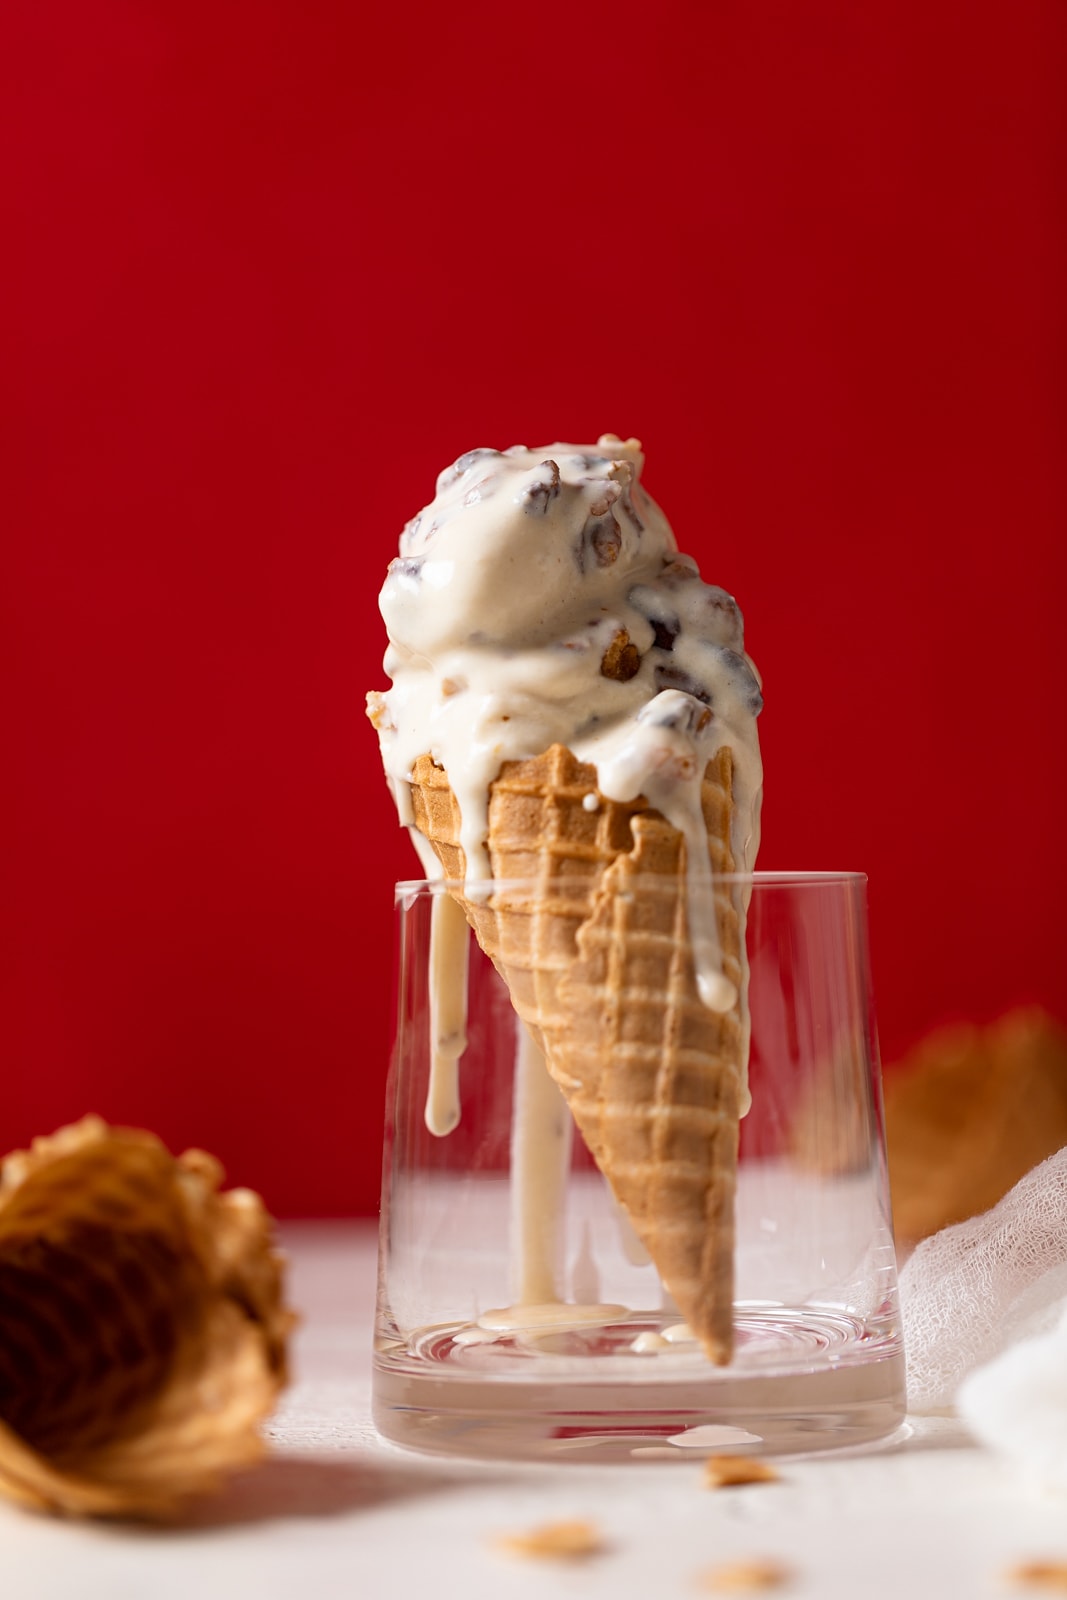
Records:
x=142, y=1324
x=598, y=963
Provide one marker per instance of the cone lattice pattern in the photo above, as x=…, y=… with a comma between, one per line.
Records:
x=594, y=946
x=142, y=1327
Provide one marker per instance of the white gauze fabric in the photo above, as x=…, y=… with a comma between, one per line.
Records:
x=977, y=1289
x=1017, y=1404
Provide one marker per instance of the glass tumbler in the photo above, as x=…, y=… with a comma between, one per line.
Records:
x=518, y=1314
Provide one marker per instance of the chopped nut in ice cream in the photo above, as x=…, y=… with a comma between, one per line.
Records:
x=621, y=659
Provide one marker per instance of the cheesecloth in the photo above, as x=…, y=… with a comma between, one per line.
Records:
x=985, y=1322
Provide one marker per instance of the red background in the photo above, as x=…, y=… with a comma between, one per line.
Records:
x=268, y=266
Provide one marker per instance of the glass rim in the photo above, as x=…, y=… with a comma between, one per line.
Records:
x=756, y=880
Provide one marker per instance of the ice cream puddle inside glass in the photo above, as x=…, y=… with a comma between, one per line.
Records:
x=541, y=601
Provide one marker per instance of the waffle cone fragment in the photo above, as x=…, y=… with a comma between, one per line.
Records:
x=969, y=1112
x=142, y=1326
x=598, y=963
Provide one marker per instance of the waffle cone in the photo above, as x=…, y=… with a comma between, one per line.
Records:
x=599, y=965
x=142, y=1328
x=968, y=1113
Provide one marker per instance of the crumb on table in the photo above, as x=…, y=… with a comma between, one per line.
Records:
x=745, y=1577
x=721, y=1472
x=1050, y=1576
x=554, y=1541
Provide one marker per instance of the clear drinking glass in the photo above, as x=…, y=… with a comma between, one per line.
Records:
x=518, y=1314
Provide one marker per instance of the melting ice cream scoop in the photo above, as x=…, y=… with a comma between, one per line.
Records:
x=540, y=598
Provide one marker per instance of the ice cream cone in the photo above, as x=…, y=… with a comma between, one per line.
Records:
x=589, y=927
x=969, y=1111
x=142, y=1324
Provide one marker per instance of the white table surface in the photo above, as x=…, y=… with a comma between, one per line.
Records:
x=338, y=1512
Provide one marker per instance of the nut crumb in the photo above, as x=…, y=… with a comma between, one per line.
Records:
x=745, y=1577
x=378, y=712
x=721, y=1472
x=621, y=659
x=555, y=1541
x=1048, y=1575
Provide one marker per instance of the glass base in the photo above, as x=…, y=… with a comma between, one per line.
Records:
x=803, y=1380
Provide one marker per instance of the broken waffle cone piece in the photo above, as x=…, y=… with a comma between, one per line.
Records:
x=589, y=928
x=746, y=1577
x=555, y=1541
x=142, y=1324
x=728, y=1472
x=968, y=1113
x=1048, y=1576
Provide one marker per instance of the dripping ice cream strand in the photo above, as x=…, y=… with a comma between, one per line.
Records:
x=541, y=1134
x=662, y=755
x=449, y=950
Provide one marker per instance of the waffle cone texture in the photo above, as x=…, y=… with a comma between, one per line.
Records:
x=589, y=929
x=142, y=1324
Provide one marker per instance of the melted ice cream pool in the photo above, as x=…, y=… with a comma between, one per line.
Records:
x=541, y=598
